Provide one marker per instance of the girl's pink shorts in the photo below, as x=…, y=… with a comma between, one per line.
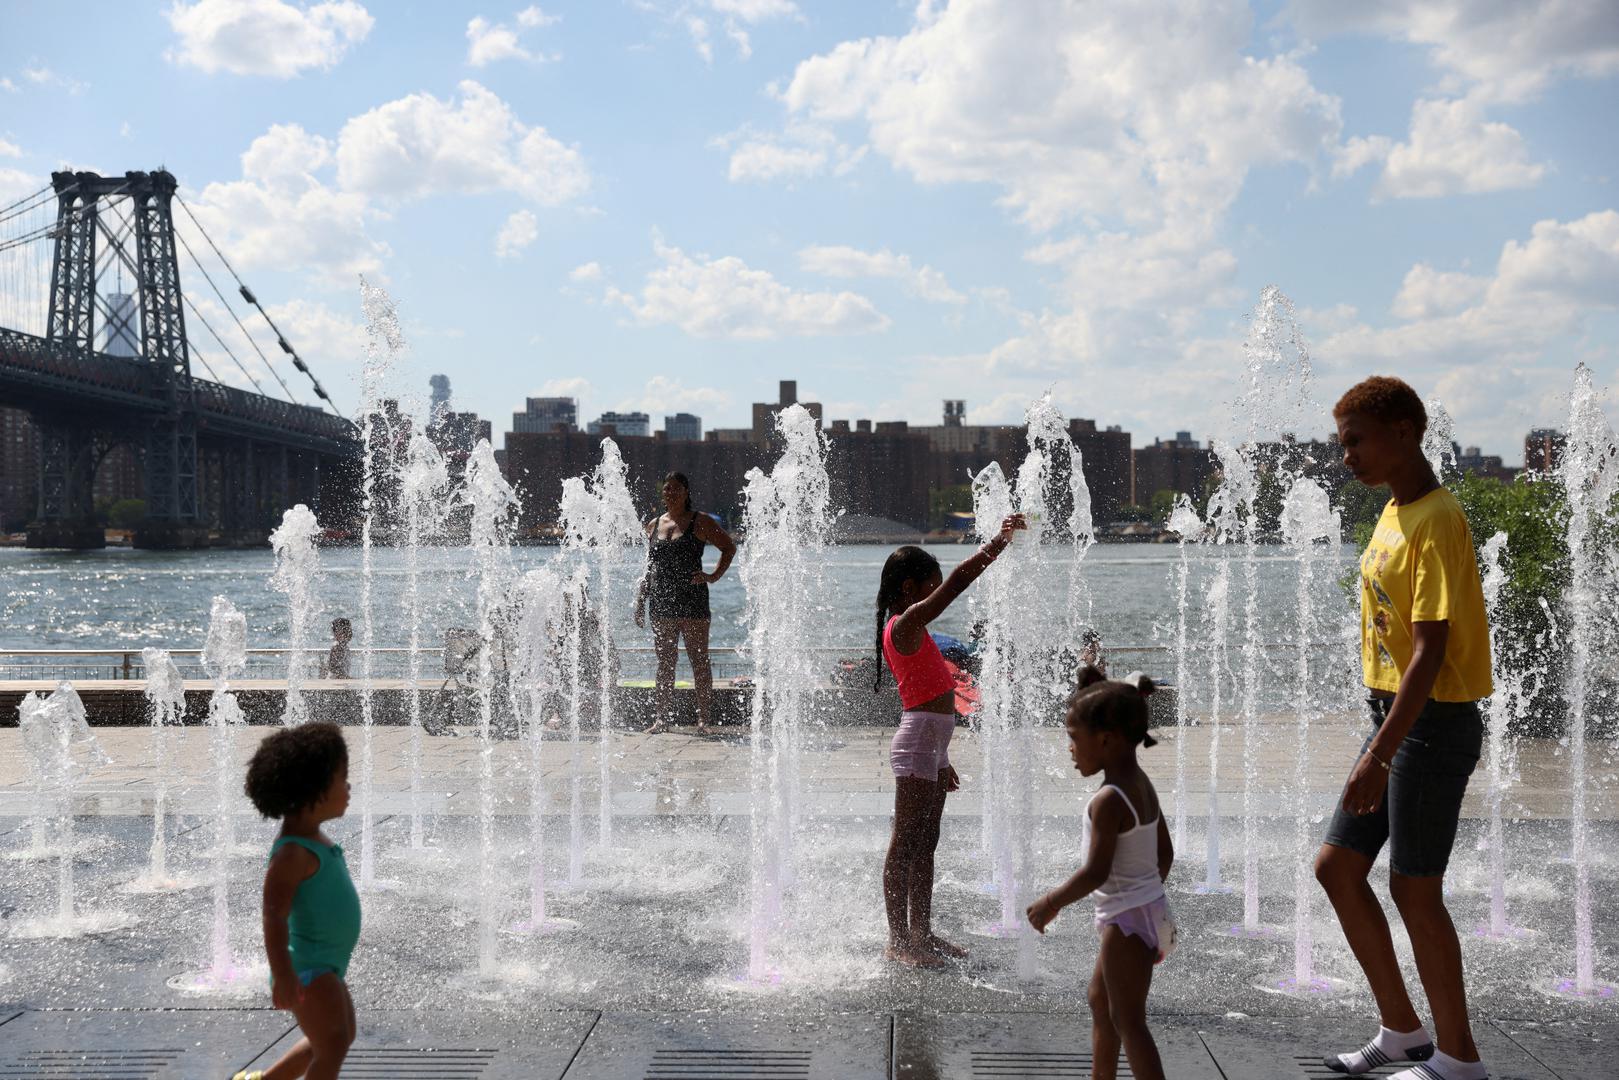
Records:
x=1150, y=922
x=921, y=746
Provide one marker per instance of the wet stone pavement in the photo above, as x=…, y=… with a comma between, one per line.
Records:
x=650, y=983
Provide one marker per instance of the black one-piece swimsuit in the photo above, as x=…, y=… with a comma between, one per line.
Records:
x=671, y=592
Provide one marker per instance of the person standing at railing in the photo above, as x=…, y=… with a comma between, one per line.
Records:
x=337, y=665
x=675, y=587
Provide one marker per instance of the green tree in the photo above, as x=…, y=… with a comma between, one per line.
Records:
x=1163, y=502
x=126, y=513
x=1534, y=515
x=956, y=499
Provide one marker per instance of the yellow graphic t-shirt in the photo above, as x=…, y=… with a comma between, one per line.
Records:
x=1420, y=567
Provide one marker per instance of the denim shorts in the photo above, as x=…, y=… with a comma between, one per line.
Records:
x=1420, y=810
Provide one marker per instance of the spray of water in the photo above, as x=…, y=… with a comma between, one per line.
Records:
x=297, y=566
x=1504, y=709
x=1439, y=439
x=384, y=342
x=59, y=746
x=424, y=494
x=1307, y=517
x=1027, y=671
x=544, y=603
x=494, y=505
x=1589, y=471
x=165, y=693
x=787, y=517
x=224, y=656
x=603, y=534
x=1187, y=526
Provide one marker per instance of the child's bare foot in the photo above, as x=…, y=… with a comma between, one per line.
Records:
x=704, y=728
x=911, y=956
x=940, y=947
x=657, y=728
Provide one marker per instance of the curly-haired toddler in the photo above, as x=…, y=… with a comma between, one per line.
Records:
x=311, y=909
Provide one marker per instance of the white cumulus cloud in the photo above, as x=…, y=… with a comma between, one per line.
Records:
x=842, y=261
x=420, y=145
x=725, y=298
x=265, y=37
x=489, y=42
x=1505, y=50
x=282, y=215
x=1453, y=150
x=520, y=230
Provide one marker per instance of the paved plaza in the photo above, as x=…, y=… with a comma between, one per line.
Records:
x=649, y=984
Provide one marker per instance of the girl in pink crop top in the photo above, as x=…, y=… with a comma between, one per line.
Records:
x=913, y=593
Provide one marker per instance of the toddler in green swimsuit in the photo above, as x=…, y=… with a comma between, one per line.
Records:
x=311, y=909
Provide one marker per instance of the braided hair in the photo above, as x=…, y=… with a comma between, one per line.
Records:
x=909, y=563
x=1104, y=704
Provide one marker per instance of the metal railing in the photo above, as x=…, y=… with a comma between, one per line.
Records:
x=271, y=663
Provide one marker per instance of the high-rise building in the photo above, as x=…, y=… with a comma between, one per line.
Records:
x=19, y=470
x=683, y=427
x=123, y=326
x=1179, y=465
x=627, y=424
x=440, y=401
x=543, y=415
x=1542, y=450
x=955, y=413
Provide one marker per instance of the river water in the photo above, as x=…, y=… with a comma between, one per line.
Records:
x=125, y=600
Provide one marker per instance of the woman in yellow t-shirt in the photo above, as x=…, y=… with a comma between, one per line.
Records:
x=1425, y=657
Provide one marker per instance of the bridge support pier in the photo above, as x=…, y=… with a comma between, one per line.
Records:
x=67, y=469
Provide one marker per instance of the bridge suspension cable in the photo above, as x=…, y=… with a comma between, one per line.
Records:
x=247, y=294
x=226, y=304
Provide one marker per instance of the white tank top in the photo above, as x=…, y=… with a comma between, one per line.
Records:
x=1133, y=879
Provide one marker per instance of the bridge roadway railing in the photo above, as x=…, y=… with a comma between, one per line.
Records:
x=37, y=369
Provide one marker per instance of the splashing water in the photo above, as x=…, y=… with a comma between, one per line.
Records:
x=424, y=494
x=55, y=737
x=384, y=342
x=1589, y=471
x=1502, y=710
x=603, y=533
x=224, y=656
x=787, y=517
x=494, y=505
x=544, y=604
x=297, y=565
x=1028, y=671
x=1187, y=526
x=1276, y=402
x=1439, y=440
x=1307, y=517
x=165, y=693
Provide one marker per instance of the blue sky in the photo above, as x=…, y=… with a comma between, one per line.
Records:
x=672, y=204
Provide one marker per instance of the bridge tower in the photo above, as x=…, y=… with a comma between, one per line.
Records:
x=69, y=451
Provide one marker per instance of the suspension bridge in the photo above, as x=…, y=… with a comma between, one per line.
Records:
x=97, y=364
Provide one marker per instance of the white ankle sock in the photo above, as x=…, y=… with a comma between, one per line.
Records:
x=1385, y=1049
x=1444, y=1067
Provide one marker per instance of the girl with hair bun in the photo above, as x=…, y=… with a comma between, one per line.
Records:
x=1129, y=859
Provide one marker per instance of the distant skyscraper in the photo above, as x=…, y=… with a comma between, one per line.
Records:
x=123, y=326
x=544, y=415
x=440, y=403
x=683, y=427
x=634, y=423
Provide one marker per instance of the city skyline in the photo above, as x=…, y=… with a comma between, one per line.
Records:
x=668, y=208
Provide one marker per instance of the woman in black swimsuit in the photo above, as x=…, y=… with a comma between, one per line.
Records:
x=677, y=589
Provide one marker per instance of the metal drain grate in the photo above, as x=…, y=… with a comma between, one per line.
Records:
x=1312, y=1068
x=730, y=1063
x=425, y=1063
x=1036, y=1065
x=88, y=1064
